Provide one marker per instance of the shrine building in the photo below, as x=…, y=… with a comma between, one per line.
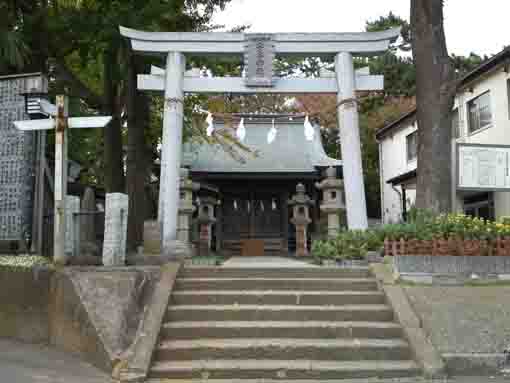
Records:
x=253, y=186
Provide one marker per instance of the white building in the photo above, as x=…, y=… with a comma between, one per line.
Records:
x=481, y=116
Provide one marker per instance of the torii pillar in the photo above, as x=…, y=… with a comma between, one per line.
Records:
x=171, y=151
x=348, y=122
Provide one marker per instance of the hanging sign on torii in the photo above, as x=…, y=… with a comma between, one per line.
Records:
x=258, y=51
x=258, y=57
x=58, y=119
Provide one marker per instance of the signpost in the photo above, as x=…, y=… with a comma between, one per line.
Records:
x=483, y=167
x=59, y=120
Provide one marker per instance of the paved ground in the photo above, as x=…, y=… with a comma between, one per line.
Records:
x=262, y=262
x=23, y=363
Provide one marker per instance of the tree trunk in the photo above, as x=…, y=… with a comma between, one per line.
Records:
x=435, y=97
x=113, y=164
x=138, y=119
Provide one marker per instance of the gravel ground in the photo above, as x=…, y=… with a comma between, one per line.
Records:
x=464, y=319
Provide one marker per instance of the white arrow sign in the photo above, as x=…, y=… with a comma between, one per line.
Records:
x=72, y=122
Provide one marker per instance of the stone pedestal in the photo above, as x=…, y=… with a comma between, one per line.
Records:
x=206, y=219
x=87, y=222
x=151, y=238
x=186, y=210
x=300, y=203
x=115, y=229
x=72, y=231
x=332, y=202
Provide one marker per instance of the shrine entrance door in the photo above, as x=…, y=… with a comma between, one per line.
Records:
x=252, y=223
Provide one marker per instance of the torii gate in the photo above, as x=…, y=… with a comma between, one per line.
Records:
x=259, y=51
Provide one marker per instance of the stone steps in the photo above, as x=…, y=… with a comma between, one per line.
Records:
x=293, y=284
x=281, y=369
x=268, y=329
x=272, y=297
x=282, y=272
x=275, y=324
x=279, y=313
x=283, y=349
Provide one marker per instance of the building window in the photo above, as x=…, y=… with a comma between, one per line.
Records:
x=455, y=124
x=412, y=146
x=480, y=115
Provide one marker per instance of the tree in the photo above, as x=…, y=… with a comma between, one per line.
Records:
x=435, y=95
x=79, y=43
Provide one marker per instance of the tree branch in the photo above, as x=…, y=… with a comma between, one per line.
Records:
x=79, y=88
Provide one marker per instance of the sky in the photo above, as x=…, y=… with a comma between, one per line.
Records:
x=470, y=26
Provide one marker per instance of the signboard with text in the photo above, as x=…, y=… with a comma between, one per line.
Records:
x=483, y=167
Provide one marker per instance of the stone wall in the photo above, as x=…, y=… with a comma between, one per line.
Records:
x=16, y=161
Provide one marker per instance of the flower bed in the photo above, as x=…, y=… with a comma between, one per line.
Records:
x=453, y=234
x=454, y=246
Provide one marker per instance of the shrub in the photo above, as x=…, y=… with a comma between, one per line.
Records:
x=349, y=245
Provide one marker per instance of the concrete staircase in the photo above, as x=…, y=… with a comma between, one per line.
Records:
x=279, y=324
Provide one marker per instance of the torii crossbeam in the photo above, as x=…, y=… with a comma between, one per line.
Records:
x=58, y=119
x=259, y=51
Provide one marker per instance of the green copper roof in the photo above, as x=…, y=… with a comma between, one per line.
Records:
x=290, y=152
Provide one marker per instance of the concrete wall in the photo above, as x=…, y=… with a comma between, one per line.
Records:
x=393, y=160
x=94, y=313
x=24, y=304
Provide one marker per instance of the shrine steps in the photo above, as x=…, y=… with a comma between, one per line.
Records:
x=290, y=284
x=282, y=369
x=284, y=297
x=277, y=324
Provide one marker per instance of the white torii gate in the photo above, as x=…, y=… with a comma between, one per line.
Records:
x=259, y=51
x=59, y=120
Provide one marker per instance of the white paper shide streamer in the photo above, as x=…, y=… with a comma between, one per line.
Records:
x=309, y=130
x=271, y=135
x=241, y=131
x=210, y=124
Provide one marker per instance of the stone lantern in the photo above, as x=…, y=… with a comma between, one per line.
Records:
x=300, y=203
x=206, y=220
x=186, y=208
x=152, y=229
x=332, y=200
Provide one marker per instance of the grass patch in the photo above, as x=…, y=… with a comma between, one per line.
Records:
x=24, y=261
x=210, y=260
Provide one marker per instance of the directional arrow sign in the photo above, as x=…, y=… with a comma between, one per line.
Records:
x=72, y=122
